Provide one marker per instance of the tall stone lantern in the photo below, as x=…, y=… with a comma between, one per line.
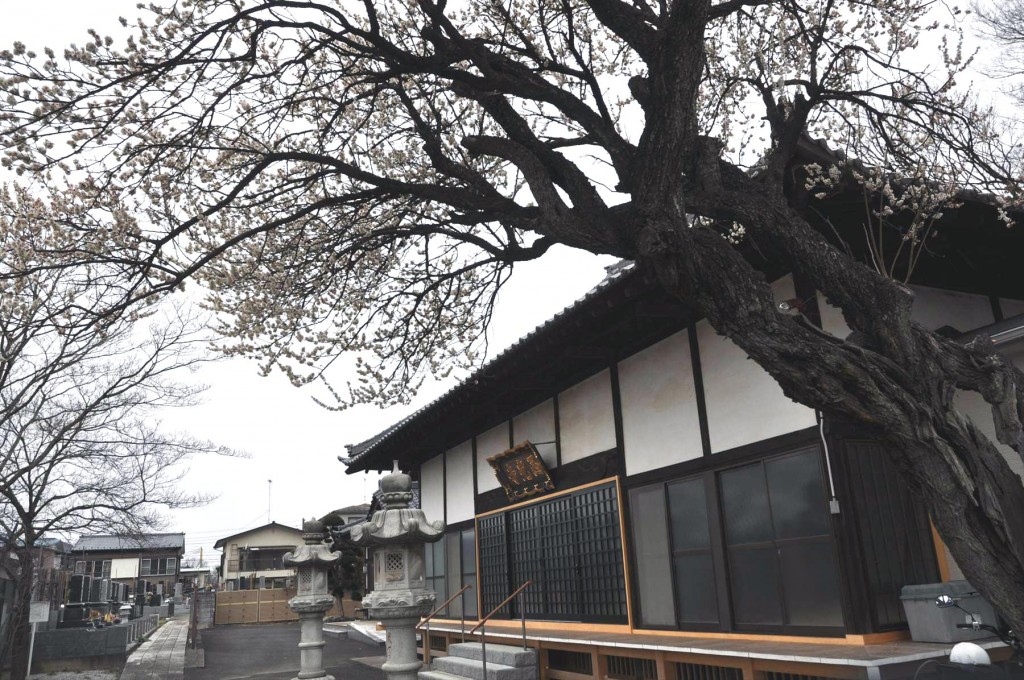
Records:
x=312, y=561
x=400, y=598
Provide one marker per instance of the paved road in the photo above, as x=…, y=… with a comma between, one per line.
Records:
x=269, y=651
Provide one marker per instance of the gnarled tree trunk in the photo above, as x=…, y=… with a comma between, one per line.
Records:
x=20, y=627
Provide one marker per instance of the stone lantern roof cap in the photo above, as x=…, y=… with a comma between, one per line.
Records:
x=396, y=522
x=314, y=551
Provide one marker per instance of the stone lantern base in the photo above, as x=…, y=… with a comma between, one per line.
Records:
x=311, y=636
x=399, y=612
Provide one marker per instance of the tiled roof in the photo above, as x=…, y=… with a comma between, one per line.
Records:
x=136, y=542
x=613, y=273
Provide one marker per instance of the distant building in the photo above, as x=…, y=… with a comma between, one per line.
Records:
x=196, y=578
x=53, y=553
x=348, y=515
x=253, y=558
x=145, y=562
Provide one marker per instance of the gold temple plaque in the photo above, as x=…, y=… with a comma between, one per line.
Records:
x=521, y=472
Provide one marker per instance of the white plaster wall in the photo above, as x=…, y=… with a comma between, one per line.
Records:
x=488, y=444
x=935, y=308
x=432, y=488
x=538, y=425
x=124, y=568
x=459, y=490
x=1011, y=307
x=972, y=405
x=744, y=403
x=832, y=320
x=586, y=418
x=660, y=424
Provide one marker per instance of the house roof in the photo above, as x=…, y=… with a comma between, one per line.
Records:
x=54, y=544
x=340, y=516
x=481, y=382
x=970, y=250
x=221, y=542
x=112, y=543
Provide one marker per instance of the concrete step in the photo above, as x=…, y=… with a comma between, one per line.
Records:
x=474, y=669
x=509, y=655
x=438, y=675
x=338, y=631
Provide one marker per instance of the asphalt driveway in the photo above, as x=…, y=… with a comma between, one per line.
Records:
x=269, y=651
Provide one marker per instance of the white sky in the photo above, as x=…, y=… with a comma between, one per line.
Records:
x=292, y=441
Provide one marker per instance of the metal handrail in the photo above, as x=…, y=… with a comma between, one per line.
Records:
x=446, y=603
x=483, y=624
x=426, y=622
x=503, y=603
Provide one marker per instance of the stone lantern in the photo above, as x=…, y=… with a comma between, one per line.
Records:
x=312, y=560
x=397, y=533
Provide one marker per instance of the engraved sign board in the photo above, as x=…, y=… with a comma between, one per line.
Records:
x=39, y=612
x=521, y=472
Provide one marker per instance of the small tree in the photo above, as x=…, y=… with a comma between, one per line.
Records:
x=79, y=451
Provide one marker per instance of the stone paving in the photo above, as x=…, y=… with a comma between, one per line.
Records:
x=161, y=656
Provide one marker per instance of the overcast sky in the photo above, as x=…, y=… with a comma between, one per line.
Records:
x=292, y=441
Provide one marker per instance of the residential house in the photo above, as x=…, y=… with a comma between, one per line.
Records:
x=346, y=516
x=145, y=563
x=253, y=558
x=674, y=510
x=196, y=579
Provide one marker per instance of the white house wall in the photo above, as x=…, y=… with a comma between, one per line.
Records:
x=972, y=405
x=432, y=488
x=1011, y=307
x=660, y=423
x=832, y=320
x=659, y=405
x=490, y=443
x=459, y=492
x=744, y=403
x=934, y=308
x=586, y=418
x=538, y=425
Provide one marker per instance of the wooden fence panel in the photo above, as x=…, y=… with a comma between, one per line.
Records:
x=238, y=606
x=274, y=606
x=260, y=606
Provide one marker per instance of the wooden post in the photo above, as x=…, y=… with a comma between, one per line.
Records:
x=599, y=662
x=662, y=665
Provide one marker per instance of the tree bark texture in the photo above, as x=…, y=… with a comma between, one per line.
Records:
x=21, y=629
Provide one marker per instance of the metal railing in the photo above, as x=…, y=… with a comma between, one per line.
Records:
x=483, y=623
x=426, y=621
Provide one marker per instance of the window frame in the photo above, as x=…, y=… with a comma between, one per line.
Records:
x=560, y=593
x=710, y=469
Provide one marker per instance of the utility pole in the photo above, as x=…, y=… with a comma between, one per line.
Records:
x=269, y=482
